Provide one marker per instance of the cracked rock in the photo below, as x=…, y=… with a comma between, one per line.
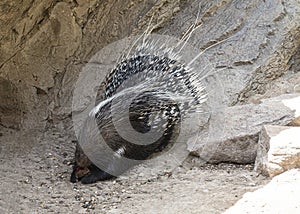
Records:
x=278, y=150
x=232, y=135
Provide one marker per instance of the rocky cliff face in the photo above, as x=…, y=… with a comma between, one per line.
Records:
x=45, y=44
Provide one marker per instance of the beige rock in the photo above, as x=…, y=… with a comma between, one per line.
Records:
x=278, y=150
x=281, y=195
x=296, y=122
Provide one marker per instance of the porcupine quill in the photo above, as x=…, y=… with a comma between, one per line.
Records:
x=164, y=90
x=138, y=110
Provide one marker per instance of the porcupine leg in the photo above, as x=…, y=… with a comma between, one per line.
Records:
x=95, y=175
x=73, y=175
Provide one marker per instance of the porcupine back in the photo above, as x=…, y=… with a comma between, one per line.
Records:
x=164, y=89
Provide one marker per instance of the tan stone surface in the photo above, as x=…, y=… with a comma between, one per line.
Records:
x=281, y=195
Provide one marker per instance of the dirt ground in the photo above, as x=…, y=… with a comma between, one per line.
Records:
x=35, y=169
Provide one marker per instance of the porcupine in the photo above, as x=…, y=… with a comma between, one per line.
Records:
x=166, y=90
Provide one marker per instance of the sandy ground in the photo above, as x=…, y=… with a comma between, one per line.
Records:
x=35, y=169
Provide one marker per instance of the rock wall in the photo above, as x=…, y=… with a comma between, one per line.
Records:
x=45, y=44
